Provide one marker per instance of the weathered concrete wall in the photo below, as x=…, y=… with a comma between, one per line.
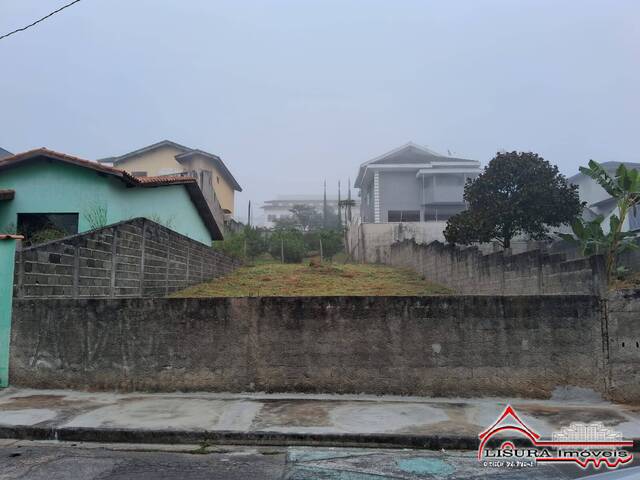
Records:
x=460, y=346
x=622, y=341
x=469, y=271
x=133, y=258
x=371, y=242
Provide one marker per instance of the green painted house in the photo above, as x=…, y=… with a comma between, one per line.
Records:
x=42, y=190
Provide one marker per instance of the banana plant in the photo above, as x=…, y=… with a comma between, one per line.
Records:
x=625, y=188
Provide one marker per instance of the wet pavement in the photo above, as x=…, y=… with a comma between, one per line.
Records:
x=57, y=460
x=297, y=414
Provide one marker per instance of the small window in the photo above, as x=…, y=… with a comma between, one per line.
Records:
x=441, y=213
x=403, y=216
x=139, y=174
x=44, y=227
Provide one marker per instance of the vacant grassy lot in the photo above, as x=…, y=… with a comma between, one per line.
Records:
x=275, y=279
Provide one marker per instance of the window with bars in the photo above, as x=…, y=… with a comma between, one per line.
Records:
x=403, y=216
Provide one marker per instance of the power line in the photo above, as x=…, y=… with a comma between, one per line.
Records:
x=22, y=29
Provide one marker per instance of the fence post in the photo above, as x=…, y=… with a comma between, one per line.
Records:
x=282, y=249
x=7, y=262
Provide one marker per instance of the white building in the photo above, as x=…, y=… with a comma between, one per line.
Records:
x=413, y=184
x=281, y=206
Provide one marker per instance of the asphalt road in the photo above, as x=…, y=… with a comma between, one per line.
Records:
x=53, y=461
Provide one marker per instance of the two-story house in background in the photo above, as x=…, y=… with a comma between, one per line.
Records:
x=413, y=184
x=169, y=158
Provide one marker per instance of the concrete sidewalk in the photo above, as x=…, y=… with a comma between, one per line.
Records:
x=287, y=419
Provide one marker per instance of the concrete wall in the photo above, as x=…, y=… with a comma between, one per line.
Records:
x=371, y=242
x=132, y=258
x=472, y=272
x=459, y=346
x=622, y=342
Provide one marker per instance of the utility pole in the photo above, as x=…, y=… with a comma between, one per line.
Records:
x=339, y=206
x=249, y=214
x=324, y=206
x=281, y=248
x=349, y=199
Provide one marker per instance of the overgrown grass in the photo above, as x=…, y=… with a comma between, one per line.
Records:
x=314, y=279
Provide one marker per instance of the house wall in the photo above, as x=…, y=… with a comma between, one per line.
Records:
x=366, y=203
x=154, y=162
x=53, y=187
x=398, y=191
x=160, y=160
x=403, y=191
x=223, y=189
x=448, y=188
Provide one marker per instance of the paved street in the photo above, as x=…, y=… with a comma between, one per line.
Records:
x=53, y=461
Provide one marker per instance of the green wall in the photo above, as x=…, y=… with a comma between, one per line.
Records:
x=51, y=187
x=7, y=253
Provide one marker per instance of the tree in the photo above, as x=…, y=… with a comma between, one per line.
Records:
x=517, y=193
x=303, y=216
x=624, y=187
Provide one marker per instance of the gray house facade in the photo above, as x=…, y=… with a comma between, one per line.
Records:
x=413, y=184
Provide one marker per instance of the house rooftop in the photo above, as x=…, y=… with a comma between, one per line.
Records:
x=5, y=153
x=186, y=153
x=412, y=155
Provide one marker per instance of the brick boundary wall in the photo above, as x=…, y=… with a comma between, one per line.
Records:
x=133, y=258
x=469, y=271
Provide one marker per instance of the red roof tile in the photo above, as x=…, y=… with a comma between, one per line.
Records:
x=8, y=162
x=165, y=180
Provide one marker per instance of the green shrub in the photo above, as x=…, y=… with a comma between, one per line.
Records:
x=287, y=244
x=45, y=235
x=332, y=242
x=247, y=244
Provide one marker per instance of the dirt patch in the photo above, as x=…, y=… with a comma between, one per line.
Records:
x=42, y=401
x=565, y=416
x=293, y=414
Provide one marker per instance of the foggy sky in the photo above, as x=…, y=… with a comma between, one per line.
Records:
x=291, y=92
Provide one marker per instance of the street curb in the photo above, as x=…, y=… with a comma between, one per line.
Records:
x=123, y=435
x=264, y=438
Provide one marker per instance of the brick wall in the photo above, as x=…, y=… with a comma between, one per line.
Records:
x=467, y=270
x=133, y=258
